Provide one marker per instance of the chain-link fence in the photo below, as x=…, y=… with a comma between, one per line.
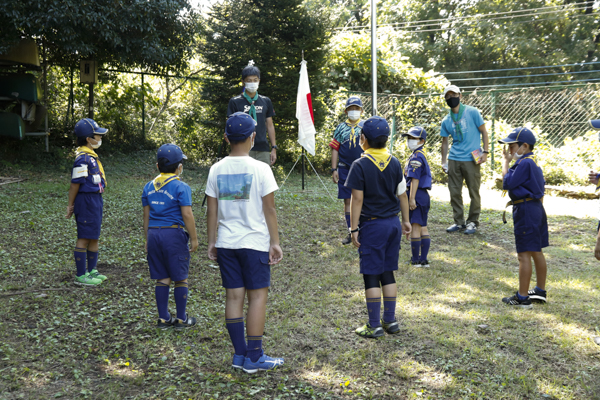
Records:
x=566, y=147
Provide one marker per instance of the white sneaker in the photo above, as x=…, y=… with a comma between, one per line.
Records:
x=471, y=228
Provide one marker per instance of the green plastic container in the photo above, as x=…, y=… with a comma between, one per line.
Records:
x=12, y=125
x=21, y=86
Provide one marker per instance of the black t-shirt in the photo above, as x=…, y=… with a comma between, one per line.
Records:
x=379, y=187
x=264, y=110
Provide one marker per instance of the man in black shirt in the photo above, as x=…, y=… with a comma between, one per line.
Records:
x=261, y=110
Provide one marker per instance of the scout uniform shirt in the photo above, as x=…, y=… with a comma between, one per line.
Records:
x=88, y=171
x=417, y=167
x=345, y=141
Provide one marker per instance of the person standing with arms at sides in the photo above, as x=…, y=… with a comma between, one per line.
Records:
x=260, y=108
x=465, y=125
x=345, y=149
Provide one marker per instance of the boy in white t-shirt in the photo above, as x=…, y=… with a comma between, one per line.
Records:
x=241, y=204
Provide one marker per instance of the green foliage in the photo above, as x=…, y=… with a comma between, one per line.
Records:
x=273, y=33
x=349, y=66
x=149, y=34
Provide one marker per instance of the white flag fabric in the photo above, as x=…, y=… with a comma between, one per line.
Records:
x=304, y=113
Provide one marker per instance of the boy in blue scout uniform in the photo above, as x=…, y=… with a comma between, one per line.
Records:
x=85, y=200
x=418, y=182
x=167, y=206
x=241, y=205
x=378, y=194
x=525, y=184
x=344, y=150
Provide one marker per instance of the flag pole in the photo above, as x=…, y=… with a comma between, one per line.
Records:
x=374, y=57
x=303, y=168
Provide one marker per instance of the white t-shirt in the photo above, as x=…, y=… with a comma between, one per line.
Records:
x=239, y=184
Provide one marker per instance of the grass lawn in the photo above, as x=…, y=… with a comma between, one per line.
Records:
x=458, y=340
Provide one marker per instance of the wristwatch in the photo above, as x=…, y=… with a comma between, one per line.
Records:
x=333, y=170
x=274, y=147
x=486, y=152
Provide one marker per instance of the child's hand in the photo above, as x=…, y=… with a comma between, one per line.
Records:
x=212, y=252
x=335, y=176
x=194, y=245
x=69, y=211
x=412, y=204
x=506, y=154
x=406, y=228
x=275, y=254
x=592, y=177
x=355, y=241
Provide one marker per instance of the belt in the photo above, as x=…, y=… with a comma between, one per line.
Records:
x=361, y=219
x=513, y=202
x=165, y=227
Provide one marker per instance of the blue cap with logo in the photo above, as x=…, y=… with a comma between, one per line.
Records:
x=354, y=101
x=171, y=152
x=416, y=132
x=375, y=127
x=87, y=127
x=240, y=126
x=519, y=135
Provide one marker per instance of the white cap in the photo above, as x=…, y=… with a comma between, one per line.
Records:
x=451, y=88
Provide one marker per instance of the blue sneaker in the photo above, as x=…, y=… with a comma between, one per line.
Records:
x=238, y=361
x=455, y=228
x=471, y=228
x=264, y=363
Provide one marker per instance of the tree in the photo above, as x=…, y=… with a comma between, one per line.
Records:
x=273, y=33
x=150, y=34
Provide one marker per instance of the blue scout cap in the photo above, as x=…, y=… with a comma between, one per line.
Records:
x=171, y=152
x=87, y=127
x=416, y=132
x=594, y=124
x=375, y=127
x=523, y=135
x=353, y=101
x=239, y=126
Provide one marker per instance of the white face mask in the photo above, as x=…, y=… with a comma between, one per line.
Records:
x=517, y=156
x=251, y=87
x=353, y=115
x=413, y=144
x=180, y=169
x=98, y=144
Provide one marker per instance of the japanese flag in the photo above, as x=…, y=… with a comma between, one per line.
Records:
x=304, y=113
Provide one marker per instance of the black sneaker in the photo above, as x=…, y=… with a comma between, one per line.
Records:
x=347, y=239
x=165, y=324
x=514, y=301
x=390, y=327
x=536, y=295
x=181, y=324
x=425, y=264
x=416, y=264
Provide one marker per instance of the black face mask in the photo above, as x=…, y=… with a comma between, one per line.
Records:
x=453, y=102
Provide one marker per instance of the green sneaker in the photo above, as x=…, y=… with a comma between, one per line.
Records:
x=87, y=280
x=391, y=327
x=369, y=332
x=97, y=275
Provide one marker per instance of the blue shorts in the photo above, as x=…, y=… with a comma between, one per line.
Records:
x=343, y=191
x=168, y=253
x=531, y=226
x=245, y=268
x=379, y=245
x=87, y=209
x=419, y=214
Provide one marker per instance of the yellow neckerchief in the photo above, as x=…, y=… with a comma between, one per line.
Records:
x=380, y=157
x=86, y=150
x=352, y=126
x=161, y=180
x=530, y=156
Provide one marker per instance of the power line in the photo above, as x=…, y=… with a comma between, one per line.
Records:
x=445, y=29
x=524, y=76
x=563, y=83
x=428, y=22
x=517, y=69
